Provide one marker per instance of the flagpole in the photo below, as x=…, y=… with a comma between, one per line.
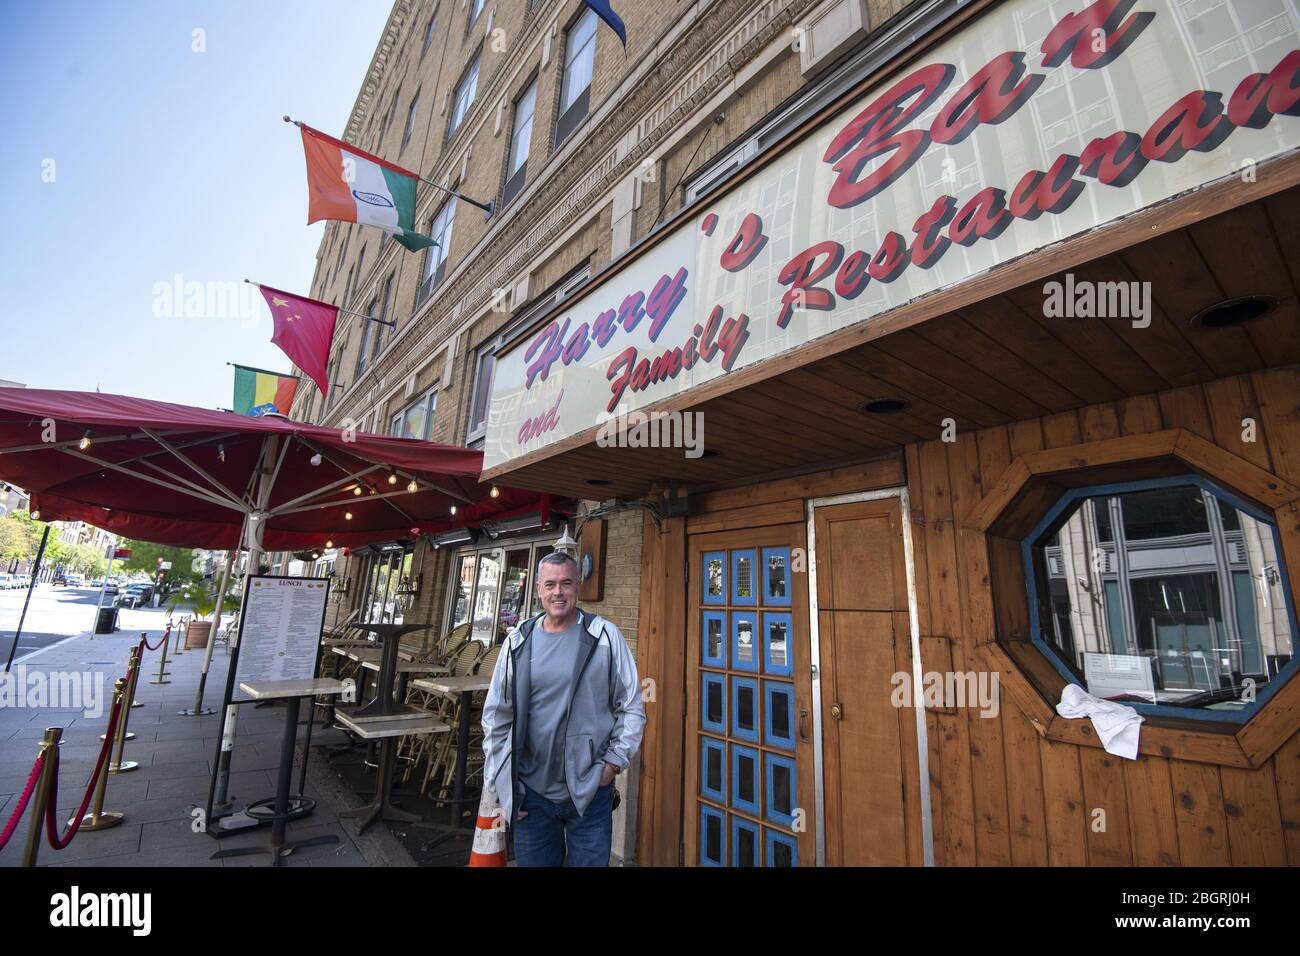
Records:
x=359, y=315
x=489, y=207
x=265, y=371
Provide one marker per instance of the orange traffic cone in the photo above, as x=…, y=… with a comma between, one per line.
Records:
x=489, y=833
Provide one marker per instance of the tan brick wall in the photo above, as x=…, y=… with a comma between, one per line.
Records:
x=622, y=602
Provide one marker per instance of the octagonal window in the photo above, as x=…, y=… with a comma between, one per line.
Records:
x=1169, y=595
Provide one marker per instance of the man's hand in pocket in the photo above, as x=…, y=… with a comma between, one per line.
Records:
x=608, y=774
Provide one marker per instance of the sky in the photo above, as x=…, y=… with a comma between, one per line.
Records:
x=144, y=153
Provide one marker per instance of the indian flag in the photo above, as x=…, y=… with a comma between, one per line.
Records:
x=349, y=185
x=258, y=391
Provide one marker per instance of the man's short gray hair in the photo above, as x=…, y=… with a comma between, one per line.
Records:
x=558, y=557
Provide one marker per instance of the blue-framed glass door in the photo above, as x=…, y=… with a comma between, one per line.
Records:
x=749, y=778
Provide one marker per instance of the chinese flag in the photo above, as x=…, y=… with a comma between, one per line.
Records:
x=304, y=330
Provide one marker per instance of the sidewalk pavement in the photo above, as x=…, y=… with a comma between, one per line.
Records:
x=175, y=755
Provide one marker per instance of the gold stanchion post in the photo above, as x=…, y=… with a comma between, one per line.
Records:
x=179, y=647
x=162, y=665
x=41, y=796
x=133, y=663
x=97, y=819
x=131, y=695
x=119, y=765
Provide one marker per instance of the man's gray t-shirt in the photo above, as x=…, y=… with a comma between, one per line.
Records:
x=553, y=659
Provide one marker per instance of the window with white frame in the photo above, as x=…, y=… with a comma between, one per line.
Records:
x=416, y=419
x=521, y=138
x=464, y=96
x=575, y=88
x=428, y=32
x=475, y=9
x=482, y=393
x=367, y=333
x=435, y=258
x=411, y=114
x=491, y=588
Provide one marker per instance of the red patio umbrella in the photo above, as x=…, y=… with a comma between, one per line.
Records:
x=190, y=477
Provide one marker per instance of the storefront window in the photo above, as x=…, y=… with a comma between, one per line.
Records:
x=464, y=589
x=490, y=588
x=1167, y=595
x=485, y=596
x=388, y=586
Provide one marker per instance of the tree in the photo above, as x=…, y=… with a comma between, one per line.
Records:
x=145, y=556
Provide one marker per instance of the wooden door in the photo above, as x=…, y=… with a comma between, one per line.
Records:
x=748, y=779
x=872, y=796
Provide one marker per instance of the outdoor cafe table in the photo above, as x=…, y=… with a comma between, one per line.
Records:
x=465, y=687
x=292, y=691
x=387, y=732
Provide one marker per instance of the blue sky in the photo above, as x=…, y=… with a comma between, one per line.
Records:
x=166, y=162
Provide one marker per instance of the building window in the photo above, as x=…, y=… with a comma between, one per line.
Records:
x=521, y=138
x=1167, y=593
x=435, y=257
x=575, y=89
x=482, y=394
x=428, y=33
x=416, y=419
x=719, y=172
x=475, y=10
x=367, y=334
x=492, y=588
x=412, y=112
x=387, y=588
x=464, y=96
x=386, y=300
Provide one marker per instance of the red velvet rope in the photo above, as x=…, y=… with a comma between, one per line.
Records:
x=161, y=641
x=12, y=825
x=51, y=807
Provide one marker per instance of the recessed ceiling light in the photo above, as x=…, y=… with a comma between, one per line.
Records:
x=1238, y=311
x=886, y=406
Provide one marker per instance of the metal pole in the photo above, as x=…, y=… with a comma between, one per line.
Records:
x=41, y=796
x=198, y=710
x=103, y=587
x=36, y=571
x=97, y=819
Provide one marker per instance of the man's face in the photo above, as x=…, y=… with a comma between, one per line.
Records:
x=557, y=586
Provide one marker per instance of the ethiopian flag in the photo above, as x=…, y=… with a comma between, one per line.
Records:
x=349, y=185
x=258, y=391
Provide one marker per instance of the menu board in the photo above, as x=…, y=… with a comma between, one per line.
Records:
x=279, y=630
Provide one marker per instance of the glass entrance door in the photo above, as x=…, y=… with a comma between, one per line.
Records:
x=749, y=740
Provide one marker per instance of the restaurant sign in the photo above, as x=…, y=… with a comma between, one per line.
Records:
x=1038, y=122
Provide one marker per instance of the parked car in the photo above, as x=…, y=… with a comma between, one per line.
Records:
x=137, y=595
x=6, y=581
x=75, y=581
x=23, y=581
x=111, y=587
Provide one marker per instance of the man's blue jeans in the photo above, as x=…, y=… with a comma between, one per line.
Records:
x=551, y=828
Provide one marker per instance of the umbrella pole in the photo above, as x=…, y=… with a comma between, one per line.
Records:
x=198, y=710
x=31, y=586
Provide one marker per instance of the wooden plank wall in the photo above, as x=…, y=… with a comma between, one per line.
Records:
x=1000, y=792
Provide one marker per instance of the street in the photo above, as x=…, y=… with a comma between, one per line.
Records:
x=57, y=613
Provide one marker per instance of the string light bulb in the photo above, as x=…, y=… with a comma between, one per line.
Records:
x=495, y=492
x=412, y=487
x=347, y=516
x=453, y=509
x=329, y=544
x=392, y=478
x=221, y=453
x=85, y=441
x=36, y=515
x=357, y=490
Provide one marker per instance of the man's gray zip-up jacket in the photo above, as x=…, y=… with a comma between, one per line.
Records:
x=605, y=715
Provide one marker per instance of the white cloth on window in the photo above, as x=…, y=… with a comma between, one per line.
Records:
x=1117, y=725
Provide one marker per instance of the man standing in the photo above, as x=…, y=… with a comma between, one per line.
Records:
x=562, y=719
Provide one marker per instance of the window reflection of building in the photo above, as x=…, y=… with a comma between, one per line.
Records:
x=388, y=586
x=1174, y=575
x=491, y=588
